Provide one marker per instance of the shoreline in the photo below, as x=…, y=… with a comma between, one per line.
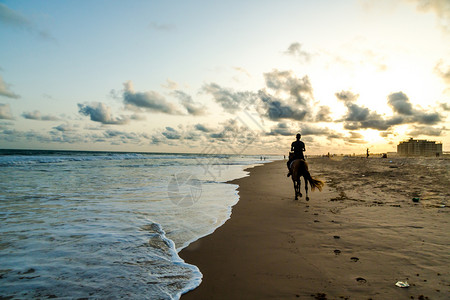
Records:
x=275, y=247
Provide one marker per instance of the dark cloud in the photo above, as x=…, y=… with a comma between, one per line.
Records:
x=354, y=138
x=151, y=101
x=5, y=90
x=230, y=100
x=203, y=128
x=295, y=49
x=402, y=106
x=286, y=82
x=121, y=137
x=64, y=127
x=171, y=133
x=347, y=96
x=276, y=109
x=282, y=129
x=232, y=136
x=36, y=115
x=99, y=112
x=323, y=114
x=5, y=112
x=285, y=97
x=307, y=129
x=193, y=108
x=357, y=113
x=358, y=117
x=425, y=131
x=445, y=106
x=400, y=103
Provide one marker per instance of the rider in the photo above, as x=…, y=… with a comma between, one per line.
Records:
x=297, y=147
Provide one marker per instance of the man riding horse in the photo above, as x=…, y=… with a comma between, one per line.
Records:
x=297, y=149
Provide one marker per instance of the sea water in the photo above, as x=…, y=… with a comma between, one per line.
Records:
x=109, y=225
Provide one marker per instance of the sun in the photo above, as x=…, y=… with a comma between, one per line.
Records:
x=373, y=137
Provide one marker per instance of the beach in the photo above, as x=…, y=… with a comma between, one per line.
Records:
x=376, y=222
x=108, y=225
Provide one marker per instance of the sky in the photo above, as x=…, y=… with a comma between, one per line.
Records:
x=238, y=77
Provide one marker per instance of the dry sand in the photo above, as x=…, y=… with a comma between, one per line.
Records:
x=353, y=240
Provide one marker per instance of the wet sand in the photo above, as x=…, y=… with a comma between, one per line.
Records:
x=353, y=240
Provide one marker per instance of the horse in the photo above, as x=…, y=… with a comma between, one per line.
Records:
x=299, y=168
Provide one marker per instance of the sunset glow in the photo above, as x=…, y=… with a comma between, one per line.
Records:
x=243, y=76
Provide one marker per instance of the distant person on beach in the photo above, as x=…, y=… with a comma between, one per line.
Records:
x=367, y=153
x=297, y=148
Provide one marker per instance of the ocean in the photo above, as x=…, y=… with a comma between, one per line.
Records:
x=109, y=224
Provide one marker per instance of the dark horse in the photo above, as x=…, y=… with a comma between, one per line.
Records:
x=299, y=168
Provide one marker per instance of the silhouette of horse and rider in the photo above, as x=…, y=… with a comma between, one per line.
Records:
x=298, y=167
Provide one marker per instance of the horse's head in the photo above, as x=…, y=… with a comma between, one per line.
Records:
x=291, y=155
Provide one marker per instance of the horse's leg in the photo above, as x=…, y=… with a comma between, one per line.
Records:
x=306, y=189
x=295, y=188
x=299, y=186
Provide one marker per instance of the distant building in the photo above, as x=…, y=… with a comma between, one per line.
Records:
x=413, y=147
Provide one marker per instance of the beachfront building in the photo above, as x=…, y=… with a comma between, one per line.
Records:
x=413, y=147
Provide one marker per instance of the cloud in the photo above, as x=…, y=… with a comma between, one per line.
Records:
x=306, y=129
x=5, y=91
x=354, y=138
x=36, y=115
x=230, y=100
x=243, y=71
x=400, y=103
x=440, y=7
x=295, y=49
x=17, y=20
x=323, y=114
x=285, y=82
x=347, y=96
x=282, y=129
x=276, y=109
x=443, y=71
x=150, y=101
x=286, y=96
x=121, y=137
x=99, y=112
x=445, y=106
x=171, y=133
x=64, y=127
x=162, y=27
x=425, y=131
x=203, y=128
x=402, y=106
x=5, y=112
x=358, y=117
x=170, y=84
x=193, y=108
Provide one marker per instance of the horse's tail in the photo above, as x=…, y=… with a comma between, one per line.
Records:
x=315, y=183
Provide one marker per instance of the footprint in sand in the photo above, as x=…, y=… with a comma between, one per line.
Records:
x=361, y=280
x=336, y=237
x=355, y=259
x=337, y=251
